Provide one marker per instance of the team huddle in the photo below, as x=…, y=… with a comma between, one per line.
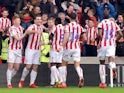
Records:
x=65, y=44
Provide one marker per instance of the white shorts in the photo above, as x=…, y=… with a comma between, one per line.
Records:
x=32, y=56
x=14, y=56
x=75, y=54
x=56, y=57
x=107, y=51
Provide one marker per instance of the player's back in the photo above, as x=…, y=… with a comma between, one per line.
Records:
x=58, y=36
x=75, y=31
x=109, y=29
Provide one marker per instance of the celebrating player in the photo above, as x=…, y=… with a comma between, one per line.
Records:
x=55, y=56
x=71, y=42
x=15, y=49
x=107, y=32
x=32, y=53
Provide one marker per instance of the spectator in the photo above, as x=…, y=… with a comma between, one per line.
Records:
x=58, y=4
x=76, y=6
x=120, y=6
x=36, y=11
x=62, y=17
x=120, y=43
x=91, y=35
x=46, y=7
x=85, y=16
x=25, y=15
x=68, y=12
x=91, y=13
x=44, y=19
x=64, y=5
x=55, y=12
x=106, y=5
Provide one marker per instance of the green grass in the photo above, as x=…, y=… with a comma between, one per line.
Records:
x=67, y=90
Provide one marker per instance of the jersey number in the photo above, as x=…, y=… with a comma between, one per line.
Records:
x=109, y=34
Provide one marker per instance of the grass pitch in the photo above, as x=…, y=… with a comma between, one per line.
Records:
x=66, y=90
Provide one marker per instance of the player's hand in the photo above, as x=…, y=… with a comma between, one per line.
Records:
x=60, y=48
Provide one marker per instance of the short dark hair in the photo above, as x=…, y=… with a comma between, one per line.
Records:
x=57, y=21
x=5, y=9
x=37, y=16
x=73, y=16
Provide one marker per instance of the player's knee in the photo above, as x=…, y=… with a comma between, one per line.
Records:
x=112, y=65
x=10, y=66
x=76, y=64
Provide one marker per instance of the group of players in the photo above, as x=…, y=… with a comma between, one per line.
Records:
x=65, y=45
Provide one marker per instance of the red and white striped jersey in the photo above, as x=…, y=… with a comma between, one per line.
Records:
x=15, y=31
x=58, y=36
x=109, y=29
x=75, y=31
x=4, y=23
x=34, y=39
x=91, y=35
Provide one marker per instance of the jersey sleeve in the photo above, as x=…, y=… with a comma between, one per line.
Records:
x=12, y=32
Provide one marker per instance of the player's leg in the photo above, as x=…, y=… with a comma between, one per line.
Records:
x=102, y=74
x=11, y=59
x=63, y=69
x=102, y=68
x=17, y=63
x=28, y=62
x=54, y=57
x=24, y=74
x=33, y=76
x=76, y=57
x=9, y=74
x=63, y=73
x=79, y=71
x=111, y=57
x=52, y=78
x=54, y=74
x=112, y=64
x=15, y=69
x=36, y=63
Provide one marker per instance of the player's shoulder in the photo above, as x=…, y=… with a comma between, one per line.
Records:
x=12, y=27
x=32, y=26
